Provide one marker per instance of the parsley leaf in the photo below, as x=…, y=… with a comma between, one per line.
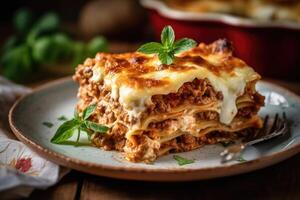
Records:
x=182, y=161
x=77, y=125
x=168, y=47
x=48, y=124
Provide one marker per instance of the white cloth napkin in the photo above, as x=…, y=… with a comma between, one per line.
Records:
x=21, y=170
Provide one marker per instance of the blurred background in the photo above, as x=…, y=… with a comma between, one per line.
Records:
x=44, y=40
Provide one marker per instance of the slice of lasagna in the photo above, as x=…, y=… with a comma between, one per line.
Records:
x=205, y=97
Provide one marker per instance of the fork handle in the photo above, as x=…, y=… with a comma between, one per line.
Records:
x=233, y=152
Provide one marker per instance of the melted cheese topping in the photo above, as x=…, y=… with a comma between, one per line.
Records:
x=134, y=77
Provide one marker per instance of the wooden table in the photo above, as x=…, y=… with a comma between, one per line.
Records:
x=280, y=181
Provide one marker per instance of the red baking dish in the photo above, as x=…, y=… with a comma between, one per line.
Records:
x=272, y=48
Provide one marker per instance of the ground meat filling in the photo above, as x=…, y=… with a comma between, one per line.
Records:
x=207, y=115
x=197, y=92
x=162, y=125
x=114, y=139
x=189, y=142
x=246, y=112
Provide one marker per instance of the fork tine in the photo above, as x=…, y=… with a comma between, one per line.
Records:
x=285, y=123
x=265, y=124
x=284, y=116
x=263, y=130
x=275, y=124
x=278, y=127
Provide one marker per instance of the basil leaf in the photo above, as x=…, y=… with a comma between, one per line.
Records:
x=183, y=45
x=84, y=128
x=22, y=20
x=62, y=118
x=182, y=161
x=167, y=36
x=48, y=124
x=88, y=111
x=96, y=127
x=17, y=63
x=149, y=48
x=10, y=43
x=167, y=49
x=79, y=53
x=78, y=136
x=61, y=47
x=41, y=49
x=65, y=131
x=97, y=44
x=48, y=22
x=76, y=115
x=241, y=159
x=166, y=58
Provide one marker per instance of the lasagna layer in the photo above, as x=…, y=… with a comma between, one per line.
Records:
x=205, y=97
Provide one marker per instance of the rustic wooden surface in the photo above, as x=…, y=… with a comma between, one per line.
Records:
x=280, y=181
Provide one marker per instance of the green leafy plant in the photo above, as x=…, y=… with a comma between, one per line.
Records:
x=183, y=161
x=22, y=20
x=48, y=124
x=168, y=48
x=41, y=42
x=241, y=159
x=62, y=118
x=76, y=125
x=82, y=50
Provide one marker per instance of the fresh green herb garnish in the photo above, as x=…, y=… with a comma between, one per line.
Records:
x=241, y=159
x=88, y=112
x=62, y=118
x=168, y=47
x=39, y=42
x=183, y=161
x=95, y=127
x=48, y=124
x=77, y=125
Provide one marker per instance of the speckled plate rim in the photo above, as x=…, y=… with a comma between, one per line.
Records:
x=144, y=173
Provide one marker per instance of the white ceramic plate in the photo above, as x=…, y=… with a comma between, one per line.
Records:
x=59, y=98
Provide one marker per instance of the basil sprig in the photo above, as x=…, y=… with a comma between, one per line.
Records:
x=168, y=47
x=76, y=125
x=183, y=161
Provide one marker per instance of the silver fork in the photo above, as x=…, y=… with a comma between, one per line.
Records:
x=279, y=126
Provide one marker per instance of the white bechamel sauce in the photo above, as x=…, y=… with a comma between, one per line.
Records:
x=97, y=74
